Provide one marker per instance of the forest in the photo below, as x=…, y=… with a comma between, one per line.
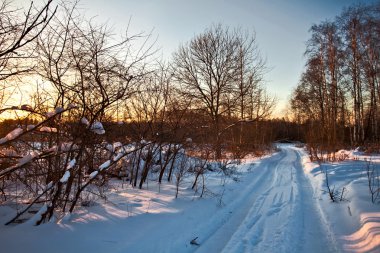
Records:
x=339, y=92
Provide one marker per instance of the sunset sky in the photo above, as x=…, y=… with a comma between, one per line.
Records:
x=281, y=26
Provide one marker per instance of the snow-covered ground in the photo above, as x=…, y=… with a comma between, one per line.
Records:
x=271, y=205
x=355, y=221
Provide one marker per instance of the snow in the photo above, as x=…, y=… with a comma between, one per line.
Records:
x=58, y=110
x=49, y=185
x=27, y=158
x=105, y=165
x=50, y=114
x=71, y=164
x=109, y=147
x=85, y=121
x=275, y=204
x=65, y=177
x=71, y=106
x=367, y=238
x=37, y=216
x=66, y=218
x=117, y=145
x=12, y=135
x=97, y=127
x=278, y=214
x=113, y=147
x=356, y=221
x=48, y=129
x=118, y=156
x=93, y=174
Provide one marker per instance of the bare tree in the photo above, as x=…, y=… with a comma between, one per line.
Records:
x=217, y=70
x=17, y=32
x=86, y=73
x=340, y=86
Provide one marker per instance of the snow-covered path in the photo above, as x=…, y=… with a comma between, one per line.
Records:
x=275, y=213
x=271, y=208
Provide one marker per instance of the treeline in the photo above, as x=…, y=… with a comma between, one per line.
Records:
x=103, y=106
x=337, y=98
x=217, y=77
x=256, y=137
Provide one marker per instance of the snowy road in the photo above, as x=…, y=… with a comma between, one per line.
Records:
x=276, y=212
x=271, y=209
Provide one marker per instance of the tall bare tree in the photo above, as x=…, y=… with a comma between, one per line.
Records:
x=340, y=86
x=217, y=70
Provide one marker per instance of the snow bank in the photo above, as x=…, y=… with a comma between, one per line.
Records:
x=356, y=222
x=270, y=206
x=38, y=215
x=367, y=238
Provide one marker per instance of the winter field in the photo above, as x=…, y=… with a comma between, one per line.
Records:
x=275, y=204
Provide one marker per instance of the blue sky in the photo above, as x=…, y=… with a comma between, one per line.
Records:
x=281, y=27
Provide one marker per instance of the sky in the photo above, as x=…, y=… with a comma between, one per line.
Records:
x=281, y=27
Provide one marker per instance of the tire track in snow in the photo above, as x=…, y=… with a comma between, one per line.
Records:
x=217, y=232
x=276, y=213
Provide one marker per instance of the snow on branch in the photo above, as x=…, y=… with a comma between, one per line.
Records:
x=21, y=162
x=48, y=129
x=65, y=177
x=18, y=132
x=107, y=164
x=47, y=188
x=15, y=133
x=97, y=127
x=36, y=155
x=67, y=174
